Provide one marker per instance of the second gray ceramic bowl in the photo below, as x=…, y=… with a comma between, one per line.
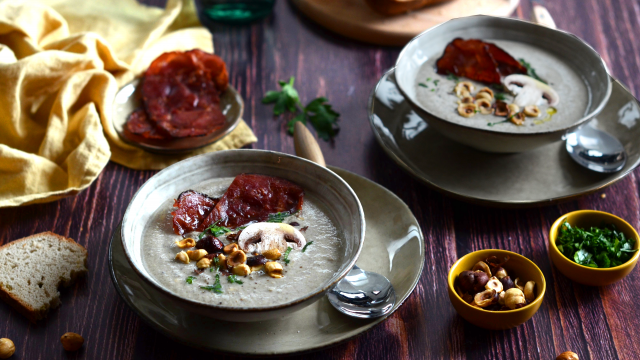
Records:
x=579, y=55
x=341, y=203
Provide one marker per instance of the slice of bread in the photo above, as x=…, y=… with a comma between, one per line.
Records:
x=32, y=269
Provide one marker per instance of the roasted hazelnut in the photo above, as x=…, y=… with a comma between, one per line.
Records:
x=514, y=299
x=484, y=96
x=495, y=284
x=531, y=111
x=513, y=108
x=507, y=283
x=517, y=118
x=230, y=248
x=467, y=110
x=481, y=265
x=256, y=260
x=203, y=263
x=7, y=348
x=186, y=243
x=529, y=291
x=211, y=244
x=481, y=280
x=463, y=87
x=273, y=269
x=485, y=298
x=222, y=261
x=182, y=257
x=468, y=99
x=518, y=283
x=487, y=91
x=241, y=270
x=501, y=108
x=236, y=258
x=500, y=273
x=71, y=341
x=484, y=106
x=272, y=254
x=472, y=281
x=501, y=298
x=196, y=255
x=568, y=355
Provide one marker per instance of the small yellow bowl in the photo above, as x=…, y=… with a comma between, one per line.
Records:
x=584, y=274
x=517, y=266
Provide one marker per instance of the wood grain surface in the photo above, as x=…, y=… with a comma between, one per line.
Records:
x=596, y=323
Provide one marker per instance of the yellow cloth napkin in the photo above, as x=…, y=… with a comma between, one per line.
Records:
x=61, y=64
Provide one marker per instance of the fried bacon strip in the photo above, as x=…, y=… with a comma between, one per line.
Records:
x=192, y=208
x=477, y=60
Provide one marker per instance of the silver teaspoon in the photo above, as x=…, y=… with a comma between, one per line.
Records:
x=596, y=150
x=362, y=294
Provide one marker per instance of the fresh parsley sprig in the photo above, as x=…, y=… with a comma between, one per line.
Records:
x=215, y=230
x=305, y=246
x=286, y=255
x=234, y=279
x=190, y=279
x=598, y=247
x=216, y=287
x=278, y=217
x=318, y=112
x=531, y=71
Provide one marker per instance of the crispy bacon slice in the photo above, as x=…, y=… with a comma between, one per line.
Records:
x=477, y=60
x=252, y=198
x=181, y=92
x=139, y=124
x=192, y=208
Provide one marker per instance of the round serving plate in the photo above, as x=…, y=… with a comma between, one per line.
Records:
x=128, y=99
x=394, y=247
x=540, y=176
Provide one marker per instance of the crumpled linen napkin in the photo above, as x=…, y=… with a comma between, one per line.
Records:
x=61, y=64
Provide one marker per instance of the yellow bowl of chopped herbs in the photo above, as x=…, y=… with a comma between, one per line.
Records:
x=593, y=247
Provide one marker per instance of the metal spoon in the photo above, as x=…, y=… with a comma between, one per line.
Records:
x=596, y=150
x=592, y=148
x=362, y=294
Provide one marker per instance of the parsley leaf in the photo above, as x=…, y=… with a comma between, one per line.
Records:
x=233, y=279
x=286, y=255
x=531, y=71
x=216, y=287
x=278, y=217
x=452, y=76
x=215, y=230
x=423, y=85
x=318, y=112
x=307, y=244
x=598, y=247
x=190, y=279
x=500, y=96
x=435, y=82
x=216, y=264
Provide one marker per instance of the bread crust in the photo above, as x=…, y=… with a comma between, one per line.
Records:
x=395, y=7
x=18, y=304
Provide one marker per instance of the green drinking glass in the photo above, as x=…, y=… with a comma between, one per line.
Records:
x=233, y=11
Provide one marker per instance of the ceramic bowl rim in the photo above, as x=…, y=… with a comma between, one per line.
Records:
x=231, y=309
x=556, y=227
x=538, y=299
x=573, y=125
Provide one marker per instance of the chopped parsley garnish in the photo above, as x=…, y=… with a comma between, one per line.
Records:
x=499, y=122
x=318, y=112
x=278, y=217
x=286, y=255
x=597, y=247
x=215, y=230
x=452, y=76
x=190, y=279
x=216, y=264
x=216, y=287
x=531, y=71
x=500, y=96
x=435, y=82
x=423, y=85
x=233, y=279
x=428, y=79
x=305, y=247
x=432, y=90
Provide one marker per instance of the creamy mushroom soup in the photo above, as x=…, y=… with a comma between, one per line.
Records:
x=435, y=93
x=305, y=272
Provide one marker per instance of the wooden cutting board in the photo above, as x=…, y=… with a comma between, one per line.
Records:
x=354, y=19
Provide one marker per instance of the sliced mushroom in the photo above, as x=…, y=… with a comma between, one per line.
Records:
x=529, y=91
x=264, y=236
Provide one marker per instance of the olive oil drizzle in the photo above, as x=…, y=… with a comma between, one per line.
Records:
x=550, y=112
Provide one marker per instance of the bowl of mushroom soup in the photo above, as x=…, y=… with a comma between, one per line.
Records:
x=260, y=268
x=545, y=82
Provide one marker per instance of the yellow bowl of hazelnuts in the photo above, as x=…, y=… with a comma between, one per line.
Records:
x=496, y=289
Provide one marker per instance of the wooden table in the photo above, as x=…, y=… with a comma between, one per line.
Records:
x=597, y=323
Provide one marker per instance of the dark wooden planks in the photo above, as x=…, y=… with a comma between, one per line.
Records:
x=597, y=323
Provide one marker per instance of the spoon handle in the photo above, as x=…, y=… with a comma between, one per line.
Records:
x=306, y=145
x=541, y=16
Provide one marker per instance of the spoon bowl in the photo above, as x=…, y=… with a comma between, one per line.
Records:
x=596, y=150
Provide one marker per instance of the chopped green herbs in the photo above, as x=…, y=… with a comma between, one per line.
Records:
x=190, y=279
x=428, y=79
x=286, y=255
x=423, y=85
x=452, y=76
x=278, y=217
x=432, y=90
x=435, y=82
x=499, y=122
x=216, y=287
x=234, y=279
x=216, y=264
x=500, y=96
x=597, y=247
x=318, y=112
x=305, y=247
x=531, y=71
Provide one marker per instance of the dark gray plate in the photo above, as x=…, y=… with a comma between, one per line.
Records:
x=541, y=176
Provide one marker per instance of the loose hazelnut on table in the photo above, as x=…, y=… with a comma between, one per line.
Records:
x=186, y=243
x=71, y=341
x=7, y=348
x=568, y=355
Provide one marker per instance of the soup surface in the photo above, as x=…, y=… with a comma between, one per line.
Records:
x=440, y=100
x=305, y=272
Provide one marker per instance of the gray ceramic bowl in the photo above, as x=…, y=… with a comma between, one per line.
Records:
x=574, y=52
x=341, y=202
